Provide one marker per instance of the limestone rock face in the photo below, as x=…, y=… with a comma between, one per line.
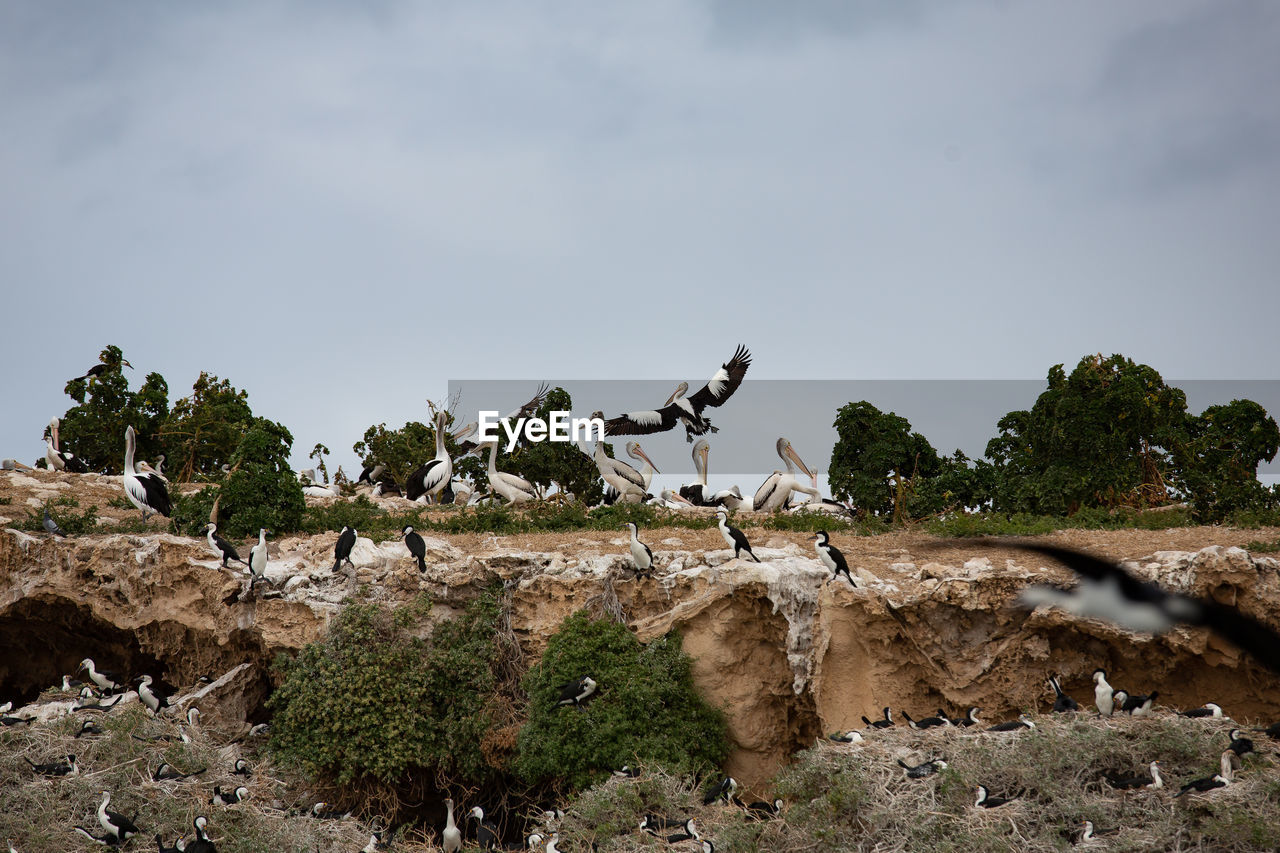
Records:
x=788, y=654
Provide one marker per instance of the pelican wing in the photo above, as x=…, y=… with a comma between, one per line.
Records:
x=766, y=490
x=725, y=381
x=643, y=423
x=154, y=494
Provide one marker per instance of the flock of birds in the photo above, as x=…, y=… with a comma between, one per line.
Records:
x=1108, y=701
x=1105, y=590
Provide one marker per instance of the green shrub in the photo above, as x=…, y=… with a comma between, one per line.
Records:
x=647, y=709
x=375, y=699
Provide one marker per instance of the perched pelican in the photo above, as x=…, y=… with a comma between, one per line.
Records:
x=774, y=492
x=649, y=469
x=686, y=410
x=624, y=479
x=431, y=478
x=699, y=493
x=145, y=491
x=315, y=490
x=147, y=468
x=509, y=487
x=56, y=459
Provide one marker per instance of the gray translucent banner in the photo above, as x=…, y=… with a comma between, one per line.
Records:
x=950, y=413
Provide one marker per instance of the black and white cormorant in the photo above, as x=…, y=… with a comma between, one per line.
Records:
x=987, y=801
x=166, y=772
x=1062, y=703
x=201, y=843
x=222, y=549
x=641, y=555
x=1240, y=744
x=451, y=838
x=1202, y=785
x=229, y=798
x=322, y=811
x=56, y=768
x=1209, y=709
x=1137, y=706
x=486, y=830
x=88, y=727
x=258, y=558
x=927, y=722
x=1108, y=591
x=885, y=723
x=114, y=823
x=1151, y=779
x=145, y=491
x=1022, y=723
x=153, y=700
x=846, y=737
x=242, y=768
x=733, y=537
x=689, y=831
x=689, y=411
x=576, y=692
x=762, y=810
x=723, y=790
x=1089, y=832
x=1103, y=693
x=926, y=768
x=831, y=557
x=417, y=547
x=342, y=548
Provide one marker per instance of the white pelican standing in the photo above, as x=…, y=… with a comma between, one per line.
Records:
x=431, y=478
x=509, y=487
x=646, y=473
x=624, y=479
x=58, y=460
x=145, y=491
x=686, y=410
x=775, y=491
x=699, y=493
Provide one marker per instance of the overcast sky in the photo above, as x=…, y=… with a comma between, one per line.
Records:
x=340, y=207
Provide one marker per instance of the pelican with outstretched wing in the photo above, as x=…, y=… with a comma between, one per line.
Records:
x=686, y=410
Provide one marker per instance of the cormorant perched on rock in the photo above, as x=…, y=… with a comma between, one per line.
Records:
x=733, y=537
x=221, y=548
x=831, y=557
x=641, y=555
x=342, y=548
x=417, y=547
x=258, y=558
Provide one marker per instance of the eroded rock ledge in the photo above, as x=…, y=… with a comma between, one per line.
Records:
x=788, y=655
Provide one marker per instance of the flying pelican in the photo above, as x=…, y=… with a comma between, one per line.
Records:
x=686, y=410
x=776, y=490
x=649, y=469
x=699, y=493
x=432, y=477
x=145, y=491
x=511, y=488
x=56, y=459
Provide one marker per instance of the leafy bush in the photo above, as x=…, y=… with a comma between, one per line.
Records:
x=877, y=460
x=204, y=429
x=647, y=710
x=61, y=509
x=94, y=428
x=559, y=463
x=1219, y=460
x=375, y=699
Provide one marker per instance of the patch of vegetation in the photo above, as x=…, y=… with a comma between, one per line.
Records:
x=647, y=711
x=94, y=428
x=378, y=698
x=557, y=463
x=62, y=510
x=205, y=428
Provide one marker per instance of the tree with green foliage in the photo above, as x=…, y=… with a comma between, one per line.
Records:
x=261, y=490
x=318, y=453
x=203, y=430
x=1219, y=459
x=878, y=462
x=378, y=698
x=558, y=463
x=94, y=428
x=403, y=450
x=1101, y=436
x=647, y=709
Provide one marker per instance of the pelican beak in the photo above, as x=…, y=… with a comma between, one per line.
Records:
x=126, y=363
x=706, y=450
x=646, y=458
x=678, y=498
x=795, y=457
